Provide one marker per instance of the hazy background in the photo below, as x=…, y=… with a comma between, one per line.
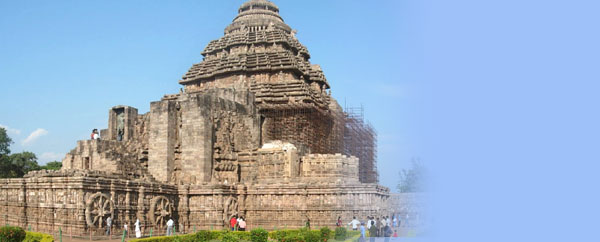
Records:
x=498, y=98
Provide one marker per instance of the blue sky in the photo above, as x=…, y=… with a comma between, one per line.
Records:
x=498, y=98
x=65, y=63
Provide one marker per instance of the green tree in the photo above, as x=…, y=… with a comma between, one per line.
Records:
x=7, y=169
x=26, y=161
x=53, y=165
x=5, y=142
x=411, y=180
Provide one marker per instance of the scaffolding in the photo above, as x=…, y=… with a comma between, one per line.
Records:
x=360, y=140
x=305, y=126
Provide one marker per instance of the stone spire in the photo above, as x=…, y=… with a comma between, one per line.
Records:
x=257, y=15
x=257, y=48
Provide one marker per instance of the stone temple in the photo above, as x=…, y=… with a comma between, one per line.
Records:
x=254, y=132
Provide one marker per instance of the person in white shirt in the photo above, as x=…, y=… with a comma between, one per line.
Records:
x=170, y=227
x=108, y=225
x=95, y=134
x=138, y=231
x=354, y=223
x=388, y=221
x=369, y=222
x=242, y=224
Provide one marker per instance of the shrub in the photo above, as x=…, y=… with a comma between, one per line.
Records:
x=203, y=236
x=293, y=237
x=311, y=236
x=325, y=234
x=280, y=235
x=38, y=237
x=259, y=235
x=242, y=235
x=178, y=238
x=229, y=237
x=12, y=234
x=340, y=233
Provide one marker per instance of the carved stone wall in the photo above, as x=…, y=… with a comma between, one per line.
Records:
x=79, y=202
x=255, y=133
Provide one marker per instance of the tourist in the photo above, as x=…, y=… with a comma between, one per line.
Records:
x=95, y=134
x=388, y=221
x=242, y=224
x=363, y=232
x=372, y=232
x=108, y=224
x=233, y=222
x=138, y=231
x=395, y=234
x=369, y=220
x=339, y=222
x=394, y=221
x=170, y=227
x=120, y=135
x=378, y=226
x=354, y=223
x=125, y=229
x=308, y=222
x=387, y=233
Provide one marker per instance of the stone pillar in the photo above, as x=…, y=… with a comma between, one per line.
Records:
x=140, y=208
x=196, y=139
x=162, y=134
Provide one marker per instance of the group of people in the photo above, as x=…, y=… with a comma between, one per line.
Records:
x=137, y=224
x=238, y=224
x=384, y=227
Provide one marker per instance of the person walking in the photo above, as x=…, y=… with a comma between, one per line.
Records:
x=354, y=223
x=170, y=227
x=108, y=225
x=363, y=232
x=339, y=222
x=369, y=220
x=138, y=231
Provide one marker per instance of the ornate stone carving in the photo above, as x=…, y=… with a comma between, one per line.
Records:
x=161, y=209
x=97, y=209
x=230, y=208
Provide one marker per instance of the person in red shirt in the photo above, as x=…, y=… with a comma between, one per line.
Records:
x=233, y=222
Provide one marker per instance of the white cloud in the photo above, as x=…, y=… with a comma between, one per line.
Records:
x=50, y=156
x=11, y=130
x=34, y=136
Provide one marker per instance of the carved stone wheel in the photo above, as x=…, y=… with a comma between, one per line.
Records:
x=161, y=209
x=97, y=209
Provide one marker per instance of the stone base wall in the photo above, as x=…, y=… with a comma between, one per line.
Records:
x=70, y=200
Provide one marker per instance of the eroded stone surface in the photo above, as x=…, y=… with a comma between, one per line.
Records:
x=255, y=133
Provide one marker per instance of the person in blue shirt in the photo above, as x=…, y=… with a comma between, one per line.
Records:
x=363, y=232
